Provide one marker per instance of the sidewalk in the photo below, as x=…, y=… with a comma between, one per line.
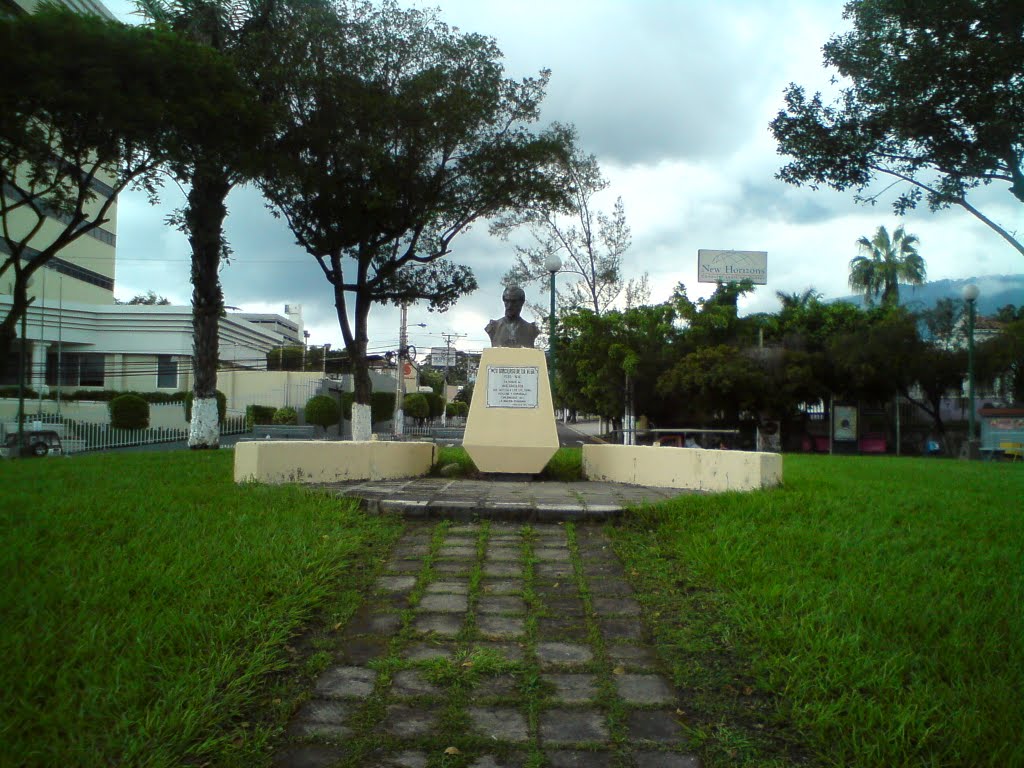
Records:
x=510, y=500
x=489, y=645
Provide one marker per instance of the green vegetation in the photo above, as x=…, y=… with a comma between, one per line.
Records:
x=869, y=611
x=147, y=598
x=129, y=411
x=286, y=415
x=322, y=410
x=565, y=466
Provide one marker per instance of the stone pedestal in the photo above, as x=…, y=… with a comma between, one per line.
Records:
x=511, y=424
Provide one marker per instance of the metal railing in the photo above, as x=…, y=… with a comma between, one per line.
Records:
x=78, y=436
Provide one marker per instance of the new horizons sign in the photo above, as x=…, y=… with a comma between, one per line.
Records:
x=732, y=266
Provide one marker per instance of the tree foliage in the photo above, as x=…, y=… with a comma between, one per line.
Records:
x=931, y=100
x=400, y=133
x=98, y=107
x=883, y=263
x=590, y=243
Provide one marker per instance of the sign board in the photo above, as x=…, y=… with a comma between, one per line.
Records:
x=732, y=266
x=512, y=386
x=443, y=357
x=844, y=423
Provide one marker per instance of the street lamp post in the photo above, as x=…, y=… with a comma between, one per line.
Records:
x=970, y=294
x=552, y=264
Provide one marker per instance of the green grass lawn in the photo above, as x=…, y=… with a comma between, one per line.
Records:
x=147, y=598
x=869, y=613
x=565, y=466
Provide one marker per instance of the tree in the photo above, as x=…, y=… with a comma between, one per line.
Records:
x=147, y=299
x=99, y=107
x=883, y=263
x=590, y=243
x=242, y=30
x=932, y=101
x=401, y=132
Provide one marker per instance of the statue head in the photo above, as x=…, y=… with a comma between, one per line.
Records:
x=514, y=298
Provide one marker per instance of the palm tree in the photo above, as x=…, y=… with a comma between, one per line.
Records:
x=884, y=263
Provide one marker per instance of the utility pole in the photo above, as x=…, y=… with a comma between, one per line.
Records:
x=398, y=418
x=448, y=339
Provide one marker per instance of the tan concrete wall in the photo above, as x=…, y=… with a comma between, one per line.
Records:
x=511, y=440
x=690, y=468
x=317, y=461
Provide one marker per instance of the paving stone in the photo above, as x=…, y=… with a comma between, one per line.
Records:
x=609, y=587
x=500, y=723
x=408, y=721
x=357, y=651
x=645, y=689
x=500, y=626
x=444, y=624
x=554, y=590
x=621, y=629
x=491, y=761
x=556, y=554
x=455, y=530
x=501, y=604
x=661, y=727
x=665, y=760
x=564, y=606
x=616, y=605
x=453, y=567
x=509, y=651
x=409, y=551
x=346, y=683
x=572, y=758
x=573, y=688
x=404, y=566
x=504, y=554
x=604, y=570
x=371, y=622
x=447, y=587
x=396, y=583
x=563, y=653
x=322, y=718
x=632, y=655
x=407, y=759
x=411, y=682
x=502, y=587
x=444, y=603
x=551, y=570
x=428, y=651
x=567, y=628
x=571, y=726
x=447, y=551
x=505, y=540
x=503, y=569
x=308, y=756
x=497, y=686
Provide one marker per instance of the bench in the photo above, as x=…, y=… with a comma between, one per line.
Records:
x=284, y=431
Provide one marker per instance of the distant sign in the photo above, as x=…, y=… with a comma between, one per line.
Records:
x=512, y=386
x=443, y=357
x=732, y=266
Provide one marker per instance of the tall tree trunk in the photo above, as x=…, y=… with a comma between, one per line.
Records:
x=362, y=422
x=204, y=220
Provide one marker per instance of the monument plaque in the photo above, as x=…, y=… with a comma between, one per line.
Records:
x=512, y=386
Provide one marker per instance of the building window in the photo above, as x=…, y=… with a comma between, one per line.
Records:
x=166, y=372
x=77, y=369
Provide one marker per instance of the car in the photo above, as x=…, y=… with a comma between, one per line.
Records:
x=35, y=442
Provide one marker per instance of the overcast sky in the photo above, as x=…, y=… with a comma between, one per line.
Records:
x=674, y=98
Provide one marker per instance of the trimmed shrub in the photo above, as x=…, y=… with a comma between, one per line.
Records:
x=323, y=411
x=129, y=411
x=455, y=408
x=222, y=406
x=382, y=406
x=258, y=414
x=286, y=415
x=416, y=406
x=435, y=403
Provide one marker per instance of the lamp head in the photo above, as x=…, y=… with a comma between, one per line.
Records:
x=971, y=292
x=552, y=263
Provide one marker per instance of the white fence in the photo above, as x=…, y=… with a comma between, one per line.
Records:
x=77, y=437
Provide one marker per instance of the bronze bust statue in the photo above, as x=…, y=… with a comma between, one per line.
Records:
x=511, y=330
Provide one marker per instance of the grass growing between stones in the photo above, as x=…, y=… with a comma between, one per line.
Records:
x=565, y=466
x=148, y=597
x=870, y=610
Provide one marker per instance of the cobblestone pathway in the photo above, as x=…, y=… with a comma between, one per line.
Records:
x=493, y=646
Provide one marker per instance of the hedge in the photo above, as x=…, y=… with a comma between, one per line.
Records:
x=258, y=414
x=322, y=410
x=129, y=411
x=286, y=415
